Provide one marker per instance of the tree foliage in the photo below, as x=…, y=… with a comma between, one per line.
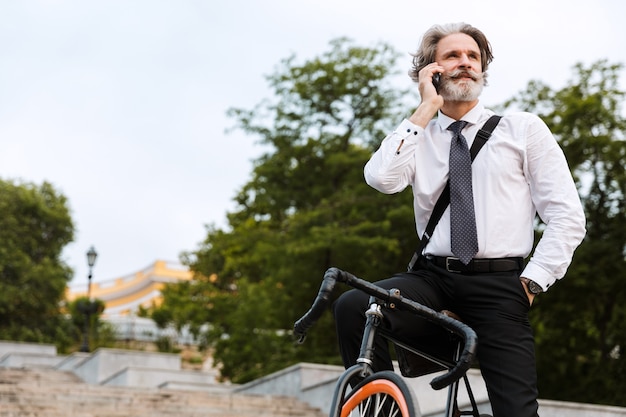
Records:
x=581, y=323
x=305, y=209
x=99, y=333
x=35, y=224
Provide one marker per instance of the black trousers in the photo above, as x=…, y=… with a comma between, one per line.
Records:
x=495, y=305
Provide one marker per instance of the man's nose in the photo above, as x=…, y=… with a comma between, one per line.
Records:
x=465, y=62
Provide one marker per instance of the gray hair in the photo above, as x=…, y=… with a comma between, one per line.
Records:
x=428, y=47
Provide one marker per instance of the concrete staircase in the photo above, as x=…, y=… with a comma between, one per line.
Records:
x=49, y=392
x=36, y=382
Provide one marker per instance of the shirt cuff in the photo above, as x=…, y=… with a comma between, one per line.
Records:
x=539, y=275
x=408, y=130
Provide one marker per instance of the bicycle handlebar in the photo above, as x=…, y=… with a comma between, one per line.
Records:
x=319, y=306
x=322, y=301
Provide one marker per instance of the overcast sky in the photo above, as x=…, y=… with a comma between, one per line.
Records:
x=121, y=104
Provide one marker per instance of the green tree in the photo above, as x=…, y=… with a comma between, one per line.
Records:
x=581, y=323
x=35, y=225
x=305, y=209
x=99, y=333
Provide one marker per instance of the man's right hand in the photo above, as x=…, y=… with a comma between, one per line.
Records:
x=431, y=100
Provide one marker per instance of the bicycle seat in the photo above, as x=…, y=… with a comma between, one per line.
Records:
x=452, y=314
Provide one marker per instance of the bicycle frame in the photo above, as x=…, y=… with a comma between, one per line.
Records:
x=363, y=366
x=382, y=299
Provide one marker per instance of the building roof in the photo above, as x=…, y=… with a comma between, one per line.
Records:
x=124, y=295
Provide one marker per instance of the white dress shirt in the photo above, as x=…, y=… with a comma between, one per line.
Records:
x=519, y=172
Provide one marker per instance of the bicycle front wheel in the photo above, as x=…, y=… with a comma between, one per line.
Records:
x=383, y=394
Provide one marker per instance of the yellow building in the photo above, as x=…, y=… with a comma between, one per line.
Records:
x=123, y=296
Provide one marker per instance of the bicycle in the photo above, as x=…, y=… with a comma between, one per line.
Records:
x=362, y=392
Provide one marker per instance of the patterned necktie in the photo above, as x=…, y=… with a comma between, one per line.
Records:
x=462, y=217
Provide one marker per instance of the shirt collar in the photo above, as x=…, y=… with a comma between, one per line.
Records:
x=472, y=117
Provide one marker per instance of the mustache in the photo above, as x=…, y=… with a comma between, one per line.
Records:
x=465, y=73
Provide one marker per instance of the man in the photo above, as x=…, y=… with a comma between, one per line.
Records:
x=518, y=173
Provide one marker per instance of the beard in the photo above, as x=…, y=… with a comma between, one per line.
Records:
x=465, y=90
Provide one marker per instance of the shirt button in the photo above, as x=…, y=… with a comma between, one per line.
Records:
x=408, y=131
x=415, y=133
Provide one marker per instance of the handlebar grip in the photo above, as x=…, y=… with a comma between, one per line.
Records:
x=320, y=304
x=462, y=365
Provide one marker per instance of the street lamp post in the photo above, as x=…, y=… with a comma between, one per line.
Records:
x=88, y=307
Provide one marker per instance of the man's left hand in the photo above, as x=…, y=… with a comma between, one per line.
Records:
x=531, y=296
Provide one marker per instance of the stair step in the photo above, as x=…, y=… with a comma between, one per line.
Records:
x=46, y=392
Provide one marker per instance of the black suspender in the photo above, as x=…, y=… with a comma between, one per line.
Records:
x=484, y=133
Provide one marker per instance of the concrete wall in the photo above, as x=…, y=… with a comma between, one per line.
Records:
x=104, y=363
x=549, y=408
x=114, y=367
x=133, y=376
x=22, y=347
x=71, y=361
x=21, y=360
x=18, y=354
x=309, y=382
x=315, y=384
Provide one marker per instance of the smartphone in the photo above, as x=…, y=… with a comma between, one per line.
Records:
x=437, y=81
